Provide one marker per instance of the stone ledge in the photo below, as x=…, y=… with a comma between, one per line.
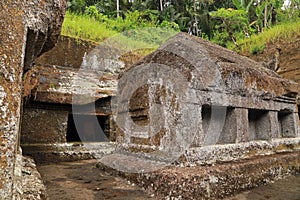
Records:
x=129, y=163
x=233, y=152
x=45, y=153
x=213, y=181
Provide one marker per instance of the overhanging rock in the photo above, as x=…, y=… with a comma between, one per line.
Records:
x=43, y=20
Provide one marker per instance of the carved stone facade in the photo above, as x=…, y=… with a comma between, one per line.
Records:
x=74, y=100
x=75, y=108
x=197, y=121
x=201, y=95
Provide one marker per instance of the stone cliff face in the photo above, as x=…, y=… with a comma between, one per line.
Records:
x=284, y=58
x=28, y=28
x=11, y=53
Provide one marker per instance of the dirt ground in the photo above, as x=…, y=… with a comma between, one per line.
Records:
x=283, y=189
x=83, y=181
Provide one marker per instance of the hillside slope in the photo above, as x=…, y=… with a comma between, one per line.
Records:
x=282, y=57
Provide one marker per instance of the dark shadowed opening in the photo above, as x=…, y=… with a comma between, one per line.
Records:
x=87, y=128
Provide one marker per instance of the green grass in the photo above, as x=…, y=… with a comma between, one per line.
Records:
x=286, y=32
x=84, y=27
x=141, y=38
x=87, y=28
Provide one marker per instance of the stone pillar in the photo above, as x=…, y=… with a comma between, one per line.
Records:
x=274, y=124
x=12, y=48
x=242, y=124
x=112, y=129
x=28, y=28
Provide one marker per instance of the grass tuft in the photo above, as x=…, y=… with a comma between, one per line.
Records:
x=131, y=39
x=85, y=27
x=256, y=43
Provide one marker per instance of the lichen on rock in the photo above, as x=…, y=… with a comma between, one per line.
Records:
x=28, y=28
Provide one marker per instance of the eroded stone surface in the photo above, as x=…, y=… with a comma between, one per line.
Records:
x=68, y=52
x=60, y=152
x=282, y=57
x=213, y=181
x=43, y=21
x=12, y=39
x=192, y=93
x=32, y=183
x=27, y=29
x=54, y=84
x=51, y=129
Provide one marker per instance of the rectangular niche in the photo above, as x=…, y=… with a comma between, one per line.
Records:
x=259, y=124
x=220, y=123
x=88, y=128
x=287, y=122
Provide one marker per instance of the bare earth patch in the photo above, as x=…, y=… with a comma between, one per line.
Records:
x=288, y=188
x=82, y=180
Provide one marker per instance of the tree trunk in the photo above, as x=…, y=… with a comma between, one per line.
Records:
x=118, y=8
x=195, y=16
x=274, y=16
x=266, y=16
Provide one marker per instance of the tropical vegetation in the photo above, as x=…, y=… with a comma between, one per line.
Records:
x=229, y=23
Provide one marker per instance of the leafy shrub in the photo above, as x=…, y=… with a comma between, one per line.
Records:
x=220, y=38
x=171, y=25
x=91, y=11
x=234, y=25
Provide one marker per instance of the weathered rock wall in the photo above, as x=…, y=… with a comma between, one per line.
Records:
x=222, y=97
x=68, y=52
x=43, y=20
x=33, y=186
x=12, y=39
x=282, y=57
x=51, y=129
x=28, y=28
